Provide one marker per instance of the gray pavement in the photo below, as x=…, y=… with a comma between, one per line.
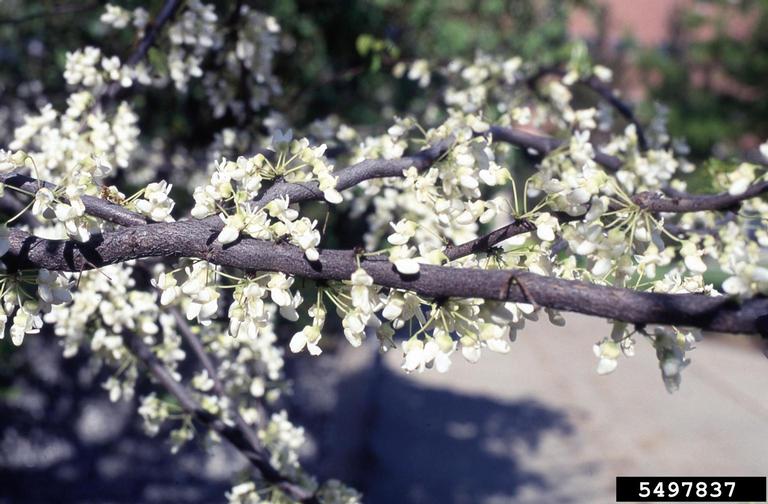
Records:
x=539, y=425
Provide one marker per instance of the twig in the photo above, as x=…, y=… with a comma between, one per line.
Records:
x=485, y=242
x=253, y=451
x=606, y=92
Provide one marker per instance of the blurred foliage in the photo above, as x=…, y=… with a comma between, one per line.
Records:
x=713, y=80
x=337, y=54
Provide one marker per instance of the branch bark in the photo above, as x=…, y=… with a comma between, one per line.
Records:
x=655, y=202
x=485, y=242
x=198, y=239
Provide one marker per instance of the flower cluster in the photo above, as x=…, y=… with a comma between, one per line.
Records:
x=234, y=185
x=584, y=223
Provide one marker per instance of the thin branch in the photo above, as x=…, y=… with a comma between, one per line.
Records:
x=155, y=28
x=543, y=145
x=198, y=349
x=357, y=173
x=606, y=92
x=655, y=202
x=166, y=13
x=625, y=109
x=94, y=206
x=485, y=242
x=254, y=452
x=208, y=364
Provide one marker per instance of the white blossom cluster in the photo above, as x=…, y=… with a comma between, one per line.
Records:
x=235, y=184
x=586, y=225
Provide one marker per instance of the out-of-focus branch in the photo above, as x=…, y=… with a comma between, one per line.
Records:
x=606, y=92
x=155, y=28
x=251, y=448
x=166, y=13
x=208, y=364
x=543, y=145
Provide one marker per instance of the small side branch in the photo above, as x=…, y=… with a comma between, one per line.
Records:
x=655, y=202
x=485, y=242
x=255, y=453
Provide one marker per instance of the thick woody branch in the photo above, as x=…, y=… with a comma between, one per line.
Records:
x=198, y=239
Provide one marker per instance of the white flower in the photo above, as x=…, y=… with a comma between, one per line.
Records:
x=10, y=161
x=279, y=208
x=692, y=257
x=26, y=321
x=407, y=266
x=419, y=71
x=401, y=257
x=404, y=231
x=52, y=288
x=546, y=226
x=304, y=234
x=420, y=355
x=289, y=311
x=233, y=224
x=168, y=285
x=764, y=149
x=354, y=327
x=155, y=203
x=608, y=351
x=603, y=73
x=115, y=16
x=72, y=217
x=327, y=184
x=361, y=292
x=279, y=285
x=307, y=337
x=203, y=305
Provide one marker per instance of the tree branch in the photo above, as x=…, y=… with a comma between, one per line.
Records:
x=94, y=206
x=208, y=364
x=485, y=242
x=253, y=451
x=606, y=92
x=353, y=175
x=166, y=13
x=543, y=145
x=198, y=239
x=655, y=202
